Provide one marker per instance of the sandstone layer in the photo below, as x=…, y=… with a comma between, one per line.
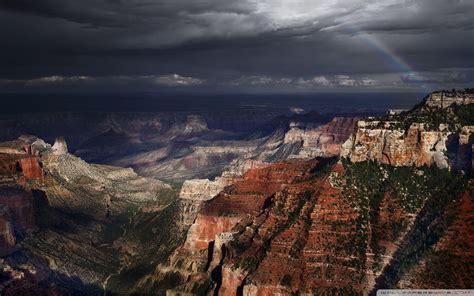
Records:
x=413, y=147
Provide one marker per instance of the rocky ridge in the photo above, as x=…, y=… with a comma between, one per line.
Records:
x=302, y=141
x=437, y=132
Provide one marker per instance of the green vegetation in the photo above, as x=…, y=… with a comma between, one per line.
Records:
x=286, y=280
x=426, y=191
x=431, y=223
x=158, y=234
x=464, y=114
x=454, y=116
x=248, y=264
x=242, y=242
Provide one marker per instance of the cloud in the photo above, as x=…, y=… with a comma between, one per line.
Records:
x=445, y=77
x=172, y=80
x=317, y=80
x=262, y=80
x=300, y=44
x=172, y=22
x=48, y=80
x=305, y=82
x=177, y=80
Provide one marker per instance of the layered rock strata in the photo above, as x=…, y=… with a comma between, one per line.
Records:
x=416, y=146
x=443, y=99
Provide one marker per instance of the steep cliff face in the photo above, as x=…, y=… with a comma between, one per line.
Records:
x=302, y=141
x=413, y=147
x=19, y=203
x=385, y=216
x=350, y=228
x=21, y=156
x=7, y=236
x=322, y=141
x=444, y=99
x=437, y=132
x=450, y=263
x=246, y=197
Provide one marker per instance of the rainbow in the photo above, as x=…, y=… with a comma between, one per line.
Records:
x=392, y=58
x=388, y=55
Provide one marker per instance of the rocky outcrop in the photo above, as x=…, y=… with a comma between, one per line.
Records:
x=60, y=146
x=21, y=156
x=201, y=190
x=195, y=124
x=325, y=140
x=205, y=189
x=211, y=230
x=413, y=147
x=444, y=99
x=437, y=132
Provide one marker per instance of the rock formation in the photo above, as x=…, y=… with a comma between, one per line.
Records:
x=437, y=132
x=414, y=147
x=7, y=236
x=444, y=99
x=19, y=203
x=276, y=220
x=60, y=146
x=326, y=233
x=352, y=227
x=76, y=210
x=195, y=124
x=323, y=140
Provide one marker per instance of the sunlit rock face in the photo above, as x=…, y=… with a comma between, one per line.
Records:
x=195, y=123
x=437, y=132
x=414, y=147
x=444, y=99
x=60, y=146
x=323, y=141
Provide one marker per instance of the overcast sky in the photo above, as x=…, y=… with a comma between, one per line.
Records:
x=236, y=45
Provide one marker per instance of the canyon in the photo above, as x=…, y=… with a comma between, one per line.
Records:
x=376, y=218
x=305, y=203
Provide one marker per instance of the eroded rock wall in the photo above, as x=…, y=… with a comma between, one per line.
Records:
x=413, y=147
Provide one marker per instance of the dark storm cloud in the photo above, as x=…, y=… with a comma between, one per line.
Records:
x=236, y=45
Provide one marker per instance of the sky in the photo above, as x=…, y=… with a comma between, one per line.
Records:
x=233, y=46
